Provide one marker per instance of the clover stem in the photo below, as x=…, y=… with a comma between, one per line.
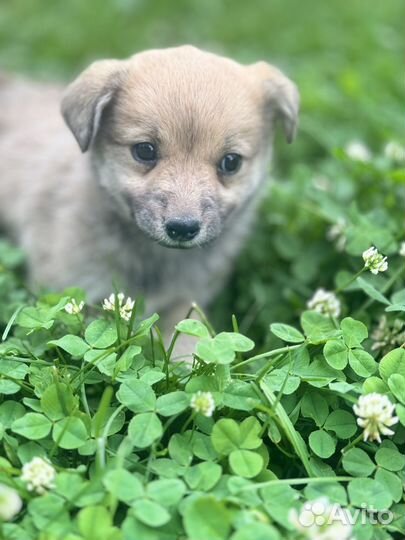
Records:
x=267, y=354
x=344, y=450
x=351, y=280
x=353, y=443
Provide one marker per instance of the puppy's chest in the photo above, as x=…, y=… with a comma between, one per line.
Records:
x=170, y=276
x=155, y=271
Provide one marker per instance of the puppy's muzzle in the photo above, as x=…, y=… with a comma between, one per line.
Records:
x=182, y=229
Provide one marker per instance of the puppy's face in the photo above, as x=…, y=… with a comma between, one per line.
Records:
x=180, y=138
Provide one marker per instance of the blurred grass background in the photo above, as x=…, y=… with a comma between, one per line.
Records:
x=345, y=56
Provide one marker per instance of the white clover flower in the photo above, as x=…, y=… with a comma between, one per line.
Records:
x=320, y=520
x=374, y=261
x=322, y=183
x=402, y=249
x=394, y=151
x=325, y=302
x=375, y=414
x=39, y=475
x=203, y=402
x=388, y=336
x=358, y=151
x=10, y=503
x=336, y=233
x=74, y=308
x=125, y=307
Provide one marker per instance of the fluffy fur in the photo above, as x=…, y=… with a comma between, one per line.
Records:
x=98, y=218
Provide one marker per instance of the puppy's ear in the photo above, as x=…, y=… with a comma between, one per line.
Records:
x=281, y=97
x=86, y=98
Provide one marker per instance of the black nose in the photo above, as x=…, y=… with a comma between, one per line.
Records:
x=182, y=229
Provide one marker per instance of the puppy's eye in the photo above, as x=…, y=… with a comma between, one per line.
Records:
x=230, y=164
x=144, y=152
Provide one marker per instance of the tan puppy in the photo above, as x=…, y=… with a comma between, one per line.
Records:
x=179, y=144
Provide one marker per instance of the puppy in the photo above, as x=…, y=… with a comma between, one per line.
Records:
x=176, y=144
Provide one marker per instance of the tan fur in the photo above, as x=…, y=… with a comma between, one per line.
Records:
x=98, y=218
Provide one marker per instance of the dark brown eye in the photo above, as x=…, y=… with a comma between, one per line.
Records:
x=230, y=164
x=144, y=152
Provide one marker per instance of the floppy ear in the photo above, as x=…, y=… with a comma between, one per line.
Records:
x=281, y=97
x=85, y=99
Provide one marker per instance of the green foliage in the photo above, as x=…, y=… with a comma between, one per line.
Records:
x=134, y=456
x=112, y=412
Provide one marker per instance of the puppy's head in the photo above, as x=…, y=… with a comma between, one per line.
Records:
x=180, y=137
